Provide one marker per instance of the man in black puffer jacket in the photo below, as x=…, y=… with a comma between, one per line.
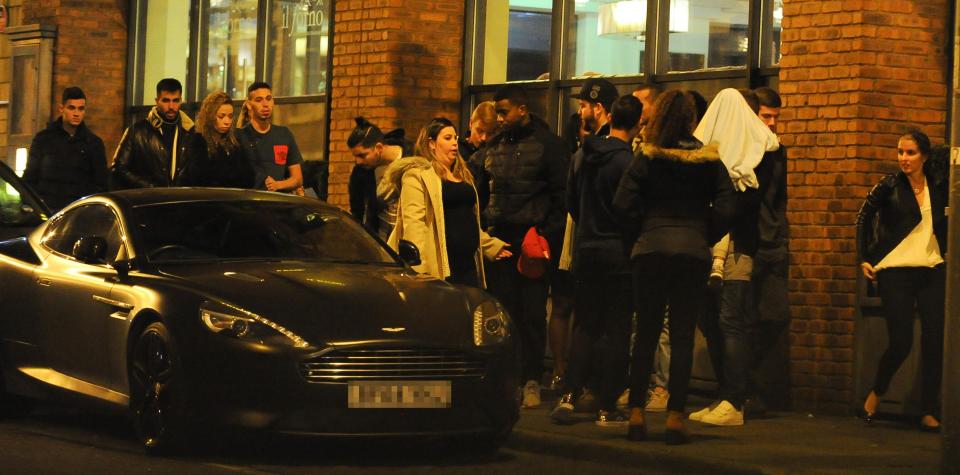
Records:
x=523, y=171
x=151, y=151
x=67, y=160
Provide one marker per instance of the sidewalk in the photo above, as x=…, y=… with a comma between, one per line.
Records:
x=781, y=443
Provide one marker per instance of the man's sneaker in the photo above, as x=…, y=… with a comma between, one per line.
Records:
x=657, y=402
x=531, y=394
x=556, y=383
x=615, y=418
x=563, y=413
x=587, y=402
x=724, y=415
x=624, y=399
x=697, y=416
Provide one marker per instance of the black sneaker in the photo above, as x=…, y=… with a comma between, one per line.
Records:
x=563, y=413
x=616, y=418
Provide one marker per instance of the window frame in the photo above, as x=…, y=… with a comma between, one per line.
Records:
x=52, y=225
x=656, y=59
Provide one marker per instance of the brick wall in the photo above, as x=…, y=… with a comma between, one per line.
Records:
x=854, y=74
x=91, y=52
x=390, y=66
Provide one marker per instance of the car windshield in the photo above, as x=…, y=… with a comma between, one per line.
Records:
x=253, y=230
x=17, y=208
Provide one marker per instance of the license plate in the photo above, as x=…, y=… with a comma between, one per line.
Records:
x=399, y=394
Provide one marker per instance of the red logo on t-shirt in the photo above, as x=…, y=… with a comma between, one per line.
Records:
x=280, y=154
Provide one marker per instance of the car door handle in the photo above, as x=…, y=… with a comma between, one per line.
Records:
x=44, y=282
x=113, y=303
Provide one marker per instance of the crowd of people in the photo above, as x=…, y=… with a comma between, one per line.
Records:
x=658, y=212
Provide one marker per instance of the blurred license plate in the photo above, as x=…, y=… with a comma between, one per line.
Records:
x=398, y=394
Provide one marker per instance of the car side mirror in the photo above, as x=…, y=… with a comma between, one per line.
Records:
x=90, y=249
x=409, y=253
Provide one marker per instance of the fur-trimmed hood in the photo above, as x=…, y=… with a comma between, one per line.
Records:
x=706, y=153
x=389, y=186
x=155, y=120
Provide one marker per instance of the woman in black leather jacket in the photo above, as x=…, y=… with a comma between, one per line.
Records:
x=679, y=201
x=901, y=238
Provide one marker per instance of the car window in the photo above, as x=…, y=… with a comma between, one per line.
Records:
x=16, y=207
x=91, y=220
x=237, y=230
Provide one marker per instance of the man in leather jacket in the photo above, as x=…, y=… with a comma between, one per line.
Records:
x=151, y=151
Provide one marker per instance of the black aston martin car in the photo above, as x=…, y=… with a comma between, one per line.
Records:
x=200, y=308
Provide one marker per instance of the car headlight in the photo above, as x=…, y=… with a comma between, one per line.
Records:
x=490, y=324
x=226, y=319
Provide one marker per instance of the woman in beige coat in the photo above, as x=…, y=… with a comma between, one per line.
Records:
x=438, y=209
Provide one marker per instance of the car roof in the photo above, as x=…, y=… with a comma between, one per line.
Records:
x=153, y=196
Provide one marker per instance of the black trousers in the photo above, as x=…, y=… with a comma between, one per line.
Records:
x=901, y=289
x=526, y=301
x=601, y=333
x=661, y=280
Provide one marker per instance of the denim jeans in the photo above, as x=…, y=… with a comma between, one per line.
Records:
x=736, y=310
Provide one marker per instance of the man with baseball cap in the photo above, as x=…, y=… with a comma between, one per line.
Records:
x=596, y=98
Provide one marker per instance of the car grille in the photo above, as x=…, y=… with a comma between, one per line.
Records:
x=361, y=364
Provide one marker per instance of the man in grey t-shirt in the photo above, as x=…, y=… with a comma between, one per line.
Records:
x=271, y=149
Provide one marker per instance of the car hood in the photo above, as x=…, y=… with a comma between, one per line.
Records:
x=332, y=304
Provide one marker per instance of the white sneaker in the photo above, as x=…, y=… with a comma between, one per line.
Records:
x=697, y=416
x=531, y=394
x=724, y=415
x=657, y=402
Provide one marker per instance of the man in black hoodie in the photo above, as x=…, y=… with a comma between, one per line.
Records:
x=67, y=160
x=601, y=264
x=523, y=171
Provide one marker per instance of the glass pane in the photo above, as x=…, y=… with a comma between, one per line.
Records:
x=773, y=15
x=609, y=38
x=23, y=106
x=166, y=45
x=707, y=35
x=299, y=30
x=515, y=39
x=231, y=47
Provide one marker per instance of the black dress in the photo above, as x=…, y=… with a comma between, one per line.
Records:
x=463, y=234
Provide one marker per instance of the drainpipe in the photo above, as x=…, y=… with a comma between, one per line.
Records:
x=950, y=420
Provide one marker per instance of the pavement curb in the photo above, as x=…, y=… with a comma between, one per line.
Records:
x=652, y=453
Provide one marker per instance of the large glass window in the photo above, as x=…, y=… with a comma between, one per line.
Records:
x=515, y=40
x=609, y=38
x=298, y=39
x=166, y=44
x=231, y=47
x=708, y=34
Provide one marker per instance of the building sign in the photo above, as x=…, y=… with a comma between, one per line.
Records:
x=304, y=17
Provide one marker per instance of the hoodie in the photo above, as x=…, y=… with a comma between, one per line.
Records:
x=595, y=172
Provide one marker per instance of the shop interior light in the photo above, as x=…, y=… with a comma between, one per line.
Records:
x=20, y=162
x=629, y=17
x=626, y=17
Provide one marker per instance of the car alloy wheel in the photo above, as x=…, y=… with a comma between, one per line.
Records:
x=153, y=372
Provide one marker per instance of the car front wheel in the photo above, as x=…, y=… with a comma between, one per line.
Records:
x=156, y=399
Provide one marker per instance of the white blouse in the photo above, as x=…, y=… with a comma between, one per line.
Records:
x=919, y=248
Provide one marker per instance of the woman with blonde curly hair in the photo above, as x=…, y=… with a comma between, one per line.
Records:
x=213, y=153
x=438, y=209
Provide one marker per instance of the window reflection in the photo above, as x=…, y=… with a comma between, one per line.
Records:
x=773, y=15
x=515, y=39
x=609, y=38
x=298, y=39
x=706, y=35
x=231, y=46
x=166, y=44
